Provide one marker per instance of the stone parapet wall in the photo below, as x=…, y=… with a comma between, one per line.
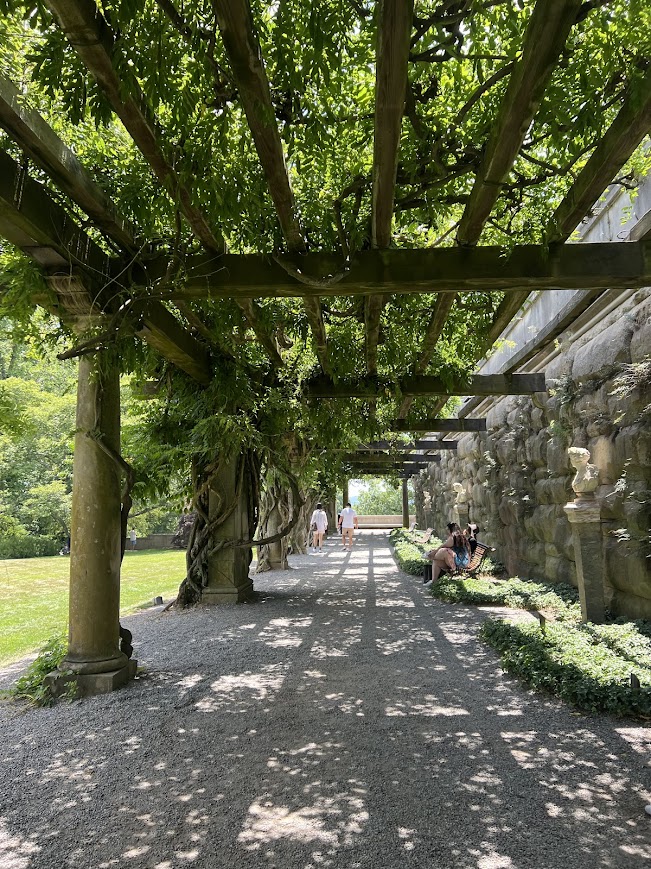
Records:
x=517, y=476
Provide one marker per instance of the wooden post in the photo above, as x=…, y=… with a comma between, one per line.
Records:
x=405, y=503
x=345, y=498
x=94, y=660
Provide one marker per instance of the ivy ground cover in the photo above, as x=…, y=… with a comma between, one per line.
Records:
x=587, y=665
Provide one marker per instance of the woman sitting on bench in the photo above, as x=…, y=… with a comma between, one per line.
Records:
x=453, y=555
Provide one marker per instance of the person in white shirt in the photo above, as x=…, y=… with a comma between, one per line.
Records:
x=319, y=526
x=347, y=522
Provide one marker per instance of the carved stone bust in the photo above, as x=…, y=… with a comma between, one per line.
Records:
x=586, y=478
x=460, y=492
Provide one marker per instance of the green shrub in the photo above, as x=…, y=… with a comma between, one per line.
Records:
x=31, y=686
x=561, y=599
x=571, y=662
x=28, y=546
x=410, y=555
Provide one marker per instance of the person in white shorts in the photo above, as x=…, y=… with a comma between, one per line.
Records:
x=319, y=526
x=347, y=522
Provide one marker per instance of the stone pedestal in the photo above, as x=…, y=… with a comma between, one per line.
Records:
x=584, y=516
x=228, y=568
x=94, y=660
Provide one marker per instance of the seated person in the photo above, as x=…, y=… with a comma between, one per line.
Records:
x=453, y=555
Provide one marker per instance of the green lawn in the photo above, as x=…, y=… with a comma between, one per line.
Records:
x=34, y=595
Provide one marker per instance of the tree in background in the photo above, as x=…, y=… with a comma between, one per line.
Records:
x=382, y=498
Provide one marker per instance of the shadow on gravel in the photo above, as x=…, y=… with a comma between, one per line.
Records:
x=349, y=722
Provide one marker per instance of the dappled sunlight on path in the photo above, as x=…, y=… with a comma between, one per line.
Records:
x=343, y=719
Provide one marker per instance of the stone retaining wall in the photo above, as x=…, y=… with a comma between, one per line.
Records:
x=517, y=478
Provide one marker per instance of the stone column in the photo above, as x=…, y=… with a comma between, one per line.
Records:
x=228, y=568
x=461, y=513
x=94, y=660
x=405, y=503
x=584, y=515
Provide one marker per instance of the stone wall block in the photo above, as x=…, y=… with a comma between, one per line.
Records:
x=604, y=456
x=557, y=490
x=600, y=425
x=537, y=419
x=622, y=604
x=560, y=570
x=609, y=347
x=641, y=338
x=557, y=460
x=626, y=567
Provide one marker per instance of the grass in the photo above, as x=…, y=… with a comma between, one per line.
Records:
x=34, y=595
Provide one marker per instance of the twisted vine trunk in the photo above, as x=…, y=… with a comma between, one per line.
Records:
x=299, y=539
x=275, y=510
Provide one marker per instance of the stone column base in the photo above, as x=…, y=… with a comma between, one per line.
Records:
x=87, y=684
x=214, y=595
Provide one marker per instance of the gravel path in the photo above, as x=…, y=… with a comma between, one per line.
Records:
x=345, y=719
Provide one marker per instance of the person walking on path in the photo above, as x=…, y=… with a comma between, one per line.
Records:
x=319, y=526
x=347, y=522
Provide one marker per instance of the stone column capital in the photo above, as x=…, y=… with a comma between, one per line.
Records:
x=581, y=511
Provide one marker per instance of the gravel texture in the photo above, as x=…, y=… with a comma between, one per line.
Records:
x=344, y=719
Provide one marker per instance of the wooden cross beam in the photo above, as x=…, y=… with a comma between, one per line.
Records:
x=437, y=425
x=434, y=270
x=385, y=458
x=35, y=136
x=416, y=445
x=78, y=268
x=478, y=384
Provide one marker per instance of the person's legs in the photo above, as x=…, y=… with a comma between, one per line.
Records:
x=315, y=538
x=442, y=558
x=348, y=537
x=319, y=539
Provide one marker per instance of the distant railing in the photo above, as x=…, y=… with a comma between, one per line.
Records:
x=393, y=521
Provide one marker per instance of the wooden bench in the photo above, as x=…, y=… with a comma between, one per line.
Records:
x=424, y=536
x=481, y=550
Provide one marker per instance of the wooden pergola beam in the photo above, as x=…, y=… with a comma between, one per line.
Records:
x=399, y=445
x=35, y=136
x=545, y=37
x=95, y=43
x=35, y=223
x=434, y=270
x=434, y=424
x=162, y=331
x=245, y=57
x=385, y=458
x=242, y=47
x=373, y=306
x=395, y=19
x=632, y=124
x=77, y=268
x=424, y=385
x=442, y=308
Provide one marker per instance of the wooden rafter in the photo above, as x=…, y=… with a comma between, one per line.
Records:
x=385, y=458
x=78, y=270
x=242, y=47
x=416, y=445
x=437, y=425
x=395, y=19
x=632, y=124
x=392, y=61
x=94, y=41
x=424, y=385
x=245, y=57
x=443, y=306
x=545, y=37
x=433, y=270
x=35, y=136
